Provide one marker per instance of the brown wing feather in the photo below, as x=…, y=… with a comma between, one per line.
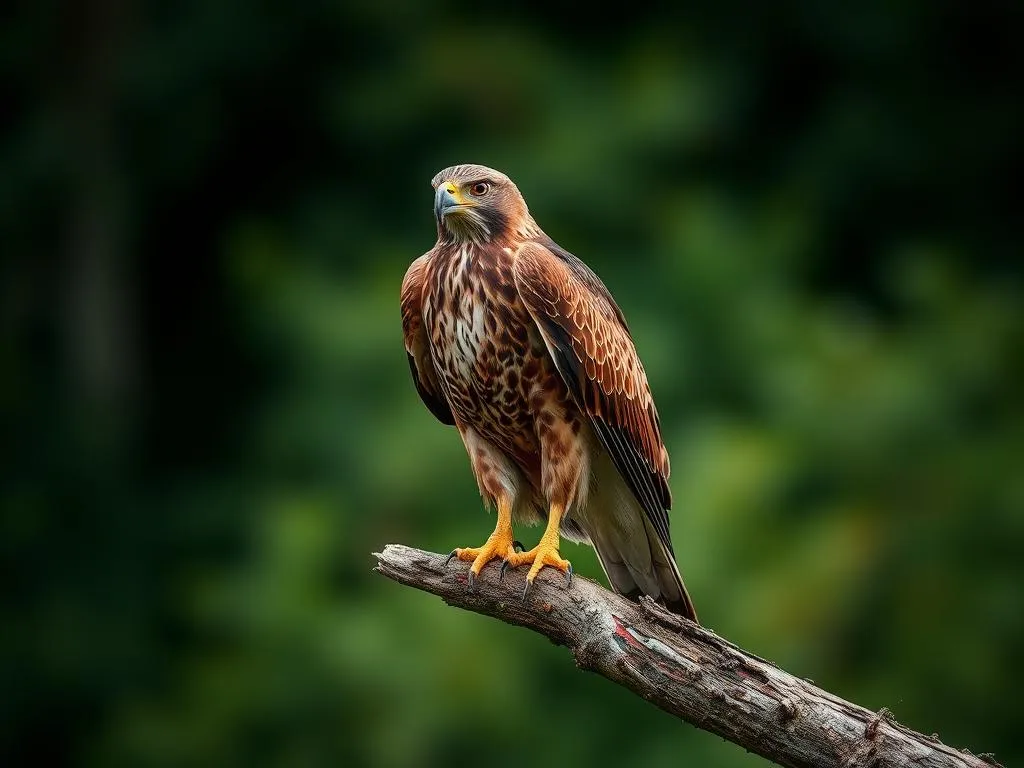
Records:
x=586, y=334
x=421, y=364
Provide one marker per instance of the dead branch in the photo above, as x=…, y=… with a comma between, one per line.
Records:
x=684, y=669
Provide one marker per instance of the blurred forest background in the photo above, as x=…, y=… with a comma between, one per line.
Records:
x=806, y=211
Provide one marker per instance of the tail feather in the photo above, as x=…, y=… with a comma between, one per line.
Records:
x=636, y=572
x=633, y=556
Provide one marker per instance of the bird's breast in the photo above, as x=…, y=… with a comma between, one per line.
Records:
x=486, y=349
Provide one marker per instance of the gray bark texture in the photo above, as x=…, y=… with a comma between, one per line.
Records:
x=683, y=668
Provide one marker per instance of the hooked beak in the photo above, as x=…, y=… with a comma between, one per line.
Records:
x=447, y=199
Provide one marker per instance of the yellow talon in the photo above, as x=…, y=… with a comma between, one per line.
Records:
x=498, y=545
x=545, y=553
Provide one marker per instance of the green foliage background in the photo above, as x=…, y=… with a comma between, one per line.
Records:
x=806, y=211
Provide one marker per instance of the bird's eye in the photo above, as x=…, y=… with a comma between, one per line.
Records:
x=480, y=188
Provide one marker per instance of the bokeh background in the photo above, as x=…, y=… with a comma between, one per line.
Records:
x=806, y=211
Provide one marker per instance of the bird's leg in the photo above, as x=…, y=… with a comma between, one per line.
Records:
x=546, y=551
x=498, y=544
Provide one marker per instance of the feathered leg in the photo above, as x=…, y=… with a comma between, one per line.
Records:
x=500, y=483
x=564, y=470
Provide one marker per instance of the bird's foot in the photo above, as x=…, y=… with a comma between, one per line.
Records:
x=498, y=545
x=545, y=553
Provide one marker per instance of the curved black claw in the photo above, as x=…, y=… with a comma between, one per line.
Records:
x=454, y=554
x=470, y=580
x=517, y=545
x=569, y=574
x=501, y=573
x=526, y=589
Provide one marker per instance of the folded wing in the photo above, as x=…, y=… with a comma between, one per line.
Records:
x=421, y=364
x=586, y=334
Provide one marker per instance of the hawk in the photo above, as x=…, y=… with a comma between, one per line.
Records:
x=519, y=345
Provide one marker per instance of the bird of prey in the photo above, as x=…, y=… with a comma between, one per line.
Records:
x=520, y=346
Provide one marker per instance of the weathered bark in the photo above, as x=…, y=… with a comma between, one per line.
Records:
x=684, y=669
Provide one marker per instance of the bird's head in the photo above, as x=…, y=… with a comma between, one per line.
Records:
x=474, y=203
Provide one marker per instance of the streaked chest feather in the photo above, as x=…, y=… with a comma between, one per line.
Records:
x=487, y=351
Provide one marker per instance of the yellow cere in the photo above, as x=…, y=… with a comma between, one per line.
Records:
x=455, y=192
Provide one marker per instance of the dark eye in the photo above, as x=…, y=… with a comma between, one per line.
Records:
x=480, y=188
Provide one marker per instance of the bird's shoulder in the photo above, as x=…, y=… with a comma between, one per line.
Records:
x=559, y=274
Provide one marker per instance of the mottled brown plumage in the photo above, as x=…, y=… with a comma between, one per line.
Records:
x=519, y=344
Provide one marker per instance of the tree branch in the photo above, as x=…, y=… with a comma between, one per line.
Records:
x=685, y=669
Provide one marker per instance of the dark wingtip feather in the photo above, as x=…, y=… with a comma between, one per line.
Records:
x=683, y=607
